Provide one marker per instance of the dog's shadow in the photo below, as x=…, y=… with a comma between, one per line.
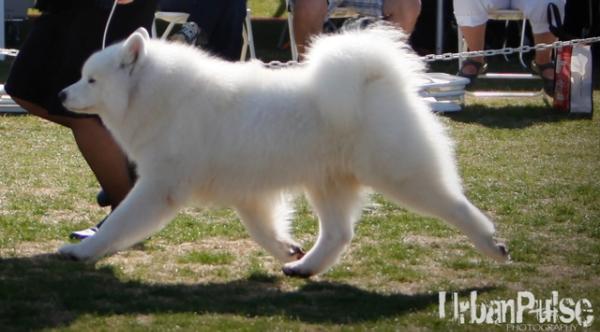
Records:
x=46, y=291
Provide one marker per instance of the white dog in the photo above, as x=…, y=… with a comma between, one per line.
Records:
x=242, y=135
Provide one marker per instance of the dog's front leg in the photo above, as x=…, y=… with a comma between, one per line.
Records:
x=147, y=208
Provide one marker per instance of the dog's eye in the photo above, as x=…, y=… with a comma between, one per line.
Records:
x=91, y=80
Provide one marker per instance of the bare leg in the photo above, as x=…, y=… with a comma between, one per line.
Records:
x=475, y=38
x=101, y=152
x=41, y=112
x=104, y=157
x=266, y=221
x=148, y=208
x=403, y=13
x=309, y=16
x=544, y=56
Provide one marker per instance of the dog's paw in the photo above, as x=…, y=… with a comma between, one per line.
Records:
x=73, y=252
x=295, y=270
x=503, y=249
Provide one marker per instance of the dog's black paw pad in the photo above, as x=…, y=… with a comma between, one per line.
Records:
x=69, y=257
x=291, y=272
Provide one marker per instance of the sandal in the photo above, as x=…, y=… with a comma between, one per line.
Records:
x=548, y=82
x=480, y=68
x=83, y=234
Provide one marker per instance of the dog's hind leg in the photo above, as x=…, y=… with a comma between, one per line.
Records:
x=431, y=196
x=147, y=208
x=338, y=207
x=267, y=221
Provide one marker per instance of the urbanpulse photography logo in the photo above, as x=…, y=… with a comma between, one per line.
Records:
x=551, y=313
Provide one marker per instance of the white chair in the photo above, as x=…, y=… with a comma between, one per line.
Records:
x=7, y=105
x=174, y=18
x=248, y=38
x=290, y=19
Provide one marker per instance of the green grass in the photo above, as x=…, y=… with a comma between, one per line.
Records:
x=533, y=171
x=267, y=8
x=206, y=257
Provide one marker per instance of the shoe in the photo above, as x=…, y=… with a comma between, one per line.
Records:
x=188, y=33
x=85, y=233
x=548, y=82
x=480, y=68
x=102, y=198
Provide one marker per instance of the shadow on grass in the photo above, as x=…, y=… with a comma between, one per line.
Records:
x=511, y=117
x=46, y=291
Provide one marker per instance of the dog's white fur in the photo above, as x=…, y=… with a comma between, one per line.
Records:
x=241, y=135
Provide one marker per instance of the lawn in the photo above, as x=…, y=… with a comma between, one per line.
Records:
x=267, y=8
x=533, y=171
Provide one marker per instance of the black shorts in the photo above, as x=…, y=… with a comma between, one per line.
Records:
x=59, y=43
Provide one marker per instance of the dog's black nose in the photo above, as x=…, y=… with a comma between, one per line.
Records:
x=62, y=96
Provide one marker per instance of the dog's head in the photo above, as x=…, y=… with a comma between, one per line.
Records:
x=107, y=78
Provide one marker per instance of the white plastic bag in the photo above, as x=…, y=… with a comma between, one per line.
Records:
x=573, y=84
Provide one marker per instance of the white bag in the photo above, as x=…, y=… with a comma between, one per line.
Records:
x=573, y=84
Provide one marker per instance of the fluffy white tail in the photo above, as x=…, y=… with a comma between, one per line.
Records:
x=342, y=65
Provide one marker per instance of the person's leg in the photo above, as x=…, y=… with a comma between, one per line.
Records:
x=309, y=16
x=101, y=152
x=41, y=112
x=536, y=13
x=471, y=17
x=226, y=37
x=543, y=64
x=105, y=158
x=544, y=56
x=403, y=13
x=475, y=38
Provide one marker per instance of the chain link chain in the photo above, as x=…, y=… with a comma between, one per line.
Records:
x=433, y=57
x=472, y=54
x=507, y=50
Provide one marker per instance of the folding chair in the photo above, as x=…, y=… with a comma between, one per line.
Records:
x=7, y=105
x=506, y=15
x=248, y=38
x=174, y=18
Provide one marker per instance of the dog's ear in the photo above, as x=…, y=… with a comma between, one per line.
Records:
x=133, y=49
x=142, y=31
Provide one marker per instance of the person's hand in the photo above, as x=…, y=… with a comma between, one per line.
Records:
x=124, y=2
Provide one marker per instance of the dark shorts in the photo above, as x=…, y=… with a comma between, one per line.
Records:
x=59, y=43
